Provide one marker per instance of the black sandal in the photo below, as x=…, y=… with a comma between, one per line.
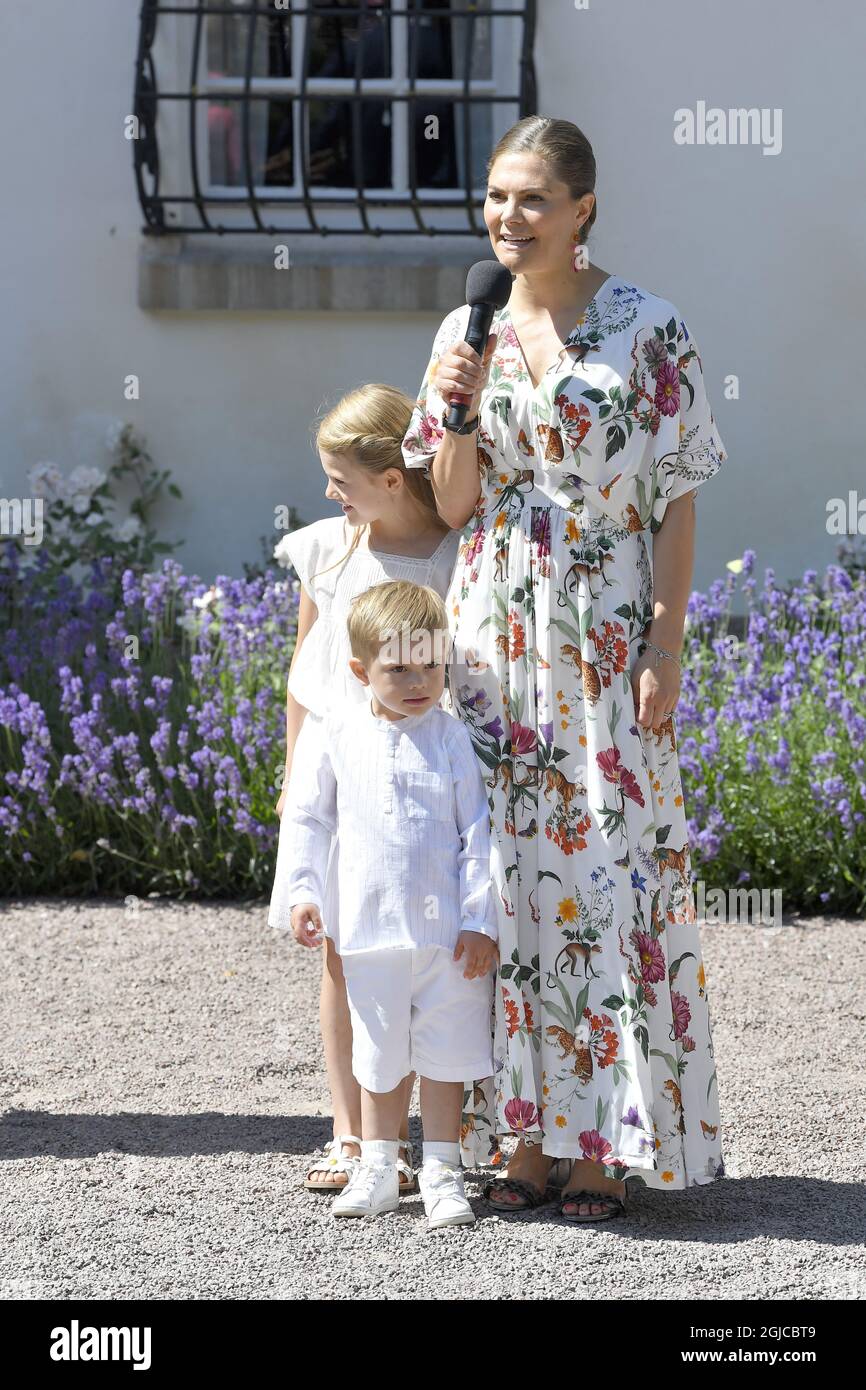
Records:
x=533, y=1197
x=616, y=1206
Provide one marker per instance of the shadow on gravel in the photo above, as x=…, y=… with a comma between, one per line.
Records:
x=727, y=1211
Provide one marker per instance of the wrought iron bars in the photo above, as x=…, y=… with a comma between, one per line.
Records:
x=174, y=40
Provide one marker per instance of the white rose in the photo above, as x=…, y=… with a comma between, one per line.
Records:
x=84, y=479
x=128, y=529
x=46, y=480
x=213, y=593
x=281, y=554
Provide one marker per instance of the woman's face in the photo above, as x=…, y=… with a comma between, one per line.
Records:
x=531, y=216
x=358, y=491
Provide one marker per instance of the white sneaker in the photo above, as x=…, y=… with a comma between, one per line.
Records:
x=445, y=1203
x=372, y=1188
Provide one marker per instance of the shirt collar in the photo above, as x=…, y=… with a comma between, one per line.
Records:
x=407, y=722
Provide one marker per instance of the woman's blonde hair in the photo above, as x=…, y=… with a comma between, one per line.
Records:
x=397, y=610
x=369, y=424
x=563, y=146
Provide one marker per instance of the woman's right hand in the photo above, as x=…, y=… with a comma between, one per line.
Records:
x=461, y=372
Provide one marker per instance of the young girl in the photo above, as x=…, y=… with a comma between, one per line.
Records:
x=388, y=529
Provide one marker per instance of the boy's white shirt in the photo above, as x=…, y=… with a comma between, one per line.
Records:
x=408, y=802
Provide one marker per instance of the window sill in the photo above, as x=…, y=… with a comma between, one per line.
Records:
x=175, y=274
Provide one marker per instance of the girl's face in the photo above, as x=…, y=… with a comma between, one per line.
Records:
x=360, y=493
x=531, y=216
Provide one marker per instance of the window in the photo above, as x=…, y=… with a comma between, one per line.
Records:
x=364, y=116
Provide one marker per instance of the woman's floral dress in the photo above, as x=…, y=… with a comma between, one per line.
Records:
x=602, y=1026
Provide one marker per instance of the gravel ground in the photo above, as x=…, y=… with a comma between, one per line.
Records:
x=162, y=1088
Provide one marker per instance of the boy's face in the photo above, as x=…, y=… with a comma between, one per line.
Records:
x=407, y=675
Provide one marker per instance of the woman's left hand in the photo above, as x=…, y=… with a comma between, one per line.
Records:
x=656, y=689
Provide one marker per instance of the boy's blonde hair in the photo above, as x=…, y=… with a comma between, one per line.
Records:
x=396, y=611
x=368, y=426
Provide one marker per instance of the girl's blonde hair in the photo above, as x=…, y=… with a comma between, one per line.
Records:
x=395, y=610
x=369, y=424
x=563, y=146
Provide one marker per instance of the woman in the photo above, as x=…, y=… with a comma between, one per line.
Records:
x=593, y=429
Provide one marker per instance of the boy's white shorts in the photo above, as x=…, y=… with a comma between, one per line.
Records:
x=414, y=1010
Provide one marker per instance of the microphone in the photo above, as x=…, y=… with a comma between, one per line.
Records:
x=488, y=287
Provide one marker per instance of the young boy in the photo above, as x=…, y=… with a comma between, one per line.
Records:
x=398, y=779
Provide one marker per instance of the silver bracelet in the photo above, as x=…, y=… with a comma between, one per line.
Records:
x=660, y=652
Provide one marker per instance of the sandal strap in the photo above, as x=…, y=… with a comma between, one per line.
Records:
x=533, y=1195
x=582, y=1195
x=334, y=1160
x=332, y=1165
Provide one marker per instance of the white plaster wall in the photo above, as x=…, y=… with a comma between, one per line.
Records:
x=762, y=254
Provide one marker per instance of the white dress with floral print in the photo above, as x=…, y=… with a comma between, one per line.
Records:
x=602, y=1036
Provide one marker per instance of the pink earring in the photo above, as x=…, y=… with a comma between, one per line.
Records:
x=578, y=256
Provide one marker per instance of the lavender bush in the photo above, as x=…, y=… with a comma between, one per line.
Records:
x=772, y=733
x=143, y=741
x=141, y=713
x=143, y=735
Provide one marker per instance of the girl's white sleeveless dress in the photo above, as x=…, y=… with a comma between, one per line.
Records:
x=321, y=678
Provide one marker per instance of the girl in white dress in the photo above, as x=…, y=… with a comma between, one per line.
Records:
x=388, y=528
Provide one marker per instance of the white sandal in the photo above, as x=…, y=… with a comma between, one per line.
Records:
x=406, y=1168
x=334, y=1161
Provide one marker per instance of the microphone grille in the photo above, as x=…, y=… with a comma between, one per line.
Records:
x=488, y=282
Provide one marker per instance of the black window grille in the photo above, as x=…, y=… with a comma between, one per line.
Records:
x=355, y=116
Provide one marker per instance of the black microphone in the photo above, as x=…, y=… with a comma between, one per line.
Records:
x=488, y=287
